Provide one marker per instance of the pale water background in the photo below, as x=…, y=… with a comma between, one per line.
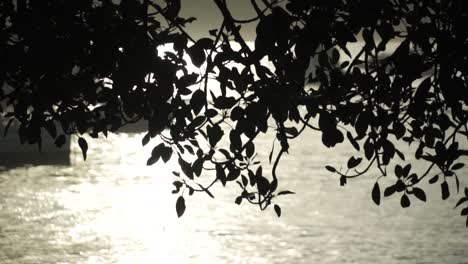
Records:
x=114, y=209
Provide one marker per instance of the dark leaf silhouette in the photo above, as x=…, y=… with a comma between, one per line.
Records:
x=390, y=190
x=99, y=66
x=405, y=201
x=445, y=190
x=352, y=141
x=461, y=201
x=464, y=212
x=330, y=168
x=434, y=179
x=145, y=139
x=419, y=193
x=458, y=166
x=376, y=194
x=277, y=210
x=180, y=206
x=83, y=146
x=353, y=162
x=285, y=192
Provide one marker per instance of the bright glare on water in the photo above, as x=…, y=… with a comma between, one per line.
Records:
x=114, y=209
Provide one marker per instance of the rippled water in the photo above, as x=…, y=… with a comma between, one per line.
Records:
x=114, y=209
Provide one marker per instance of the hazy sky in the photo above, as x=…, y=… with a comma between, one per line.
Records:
x=209, y=17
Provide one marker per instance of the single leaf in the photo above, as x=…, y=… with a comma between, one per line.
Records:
x=330, y=168
x=353, y=162
x=180, y=206
x=84, y=146
x=152, y=160
x=457, y=166
x=405, y=201
x=389, y=190
x=285, y=192
x=166, y=154
x=145, y=139
x=462, y=200
x=343, y=180
x=362, y=123
x=376, y=193
x=277, y=210
x=221, y=174
x=434, y=179
x=238, y=200
x=263, y=185
x=464, y=212
x=419, y=193
x=398, y=171
x=353, y=141
x=445, y=190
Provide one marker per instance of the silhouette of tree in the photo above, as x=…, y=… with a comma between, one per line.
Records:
x=93, y=66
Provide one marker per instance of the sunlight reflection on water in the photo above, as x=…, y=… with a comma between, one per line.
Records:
x=114, y=209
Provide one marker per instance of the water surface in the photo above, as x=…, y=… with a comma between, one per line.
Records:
x=114, y=209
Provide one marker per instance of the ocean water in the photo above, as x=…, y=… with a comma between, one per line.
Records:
x=115, y=209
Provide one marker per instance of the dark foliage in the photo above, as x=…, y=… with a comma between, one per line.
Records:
x=76, y=67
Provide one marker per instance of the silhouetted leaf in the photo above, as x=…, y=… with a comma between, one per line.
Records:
x=145, y=139
x=353, y=141
x=221, y=174
x=263, y=185
x=180, y=206
x=291, y=131
x=405, y=201
x=214, y=134
x=457, y=166
x=406, y=170
x=353, y=162
x=398, y=171
x=343, y=180
x=434, y=179
x=166, y=154
x=238, y=200
x=330, y=168
x=285, y=192
x=389, y=190
x=368, y=149
x=152, y=160
x=244, y=179
x=461, y=201
x=376, y=194
x=233, y=174
x=362, y=124
x=186, y=168
x=400, y=154
x=277, y=210
x=83, y=146
x=445, y=190
x=419, y=193
x=197, y=55
x=464, y=212
x=210, y=113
